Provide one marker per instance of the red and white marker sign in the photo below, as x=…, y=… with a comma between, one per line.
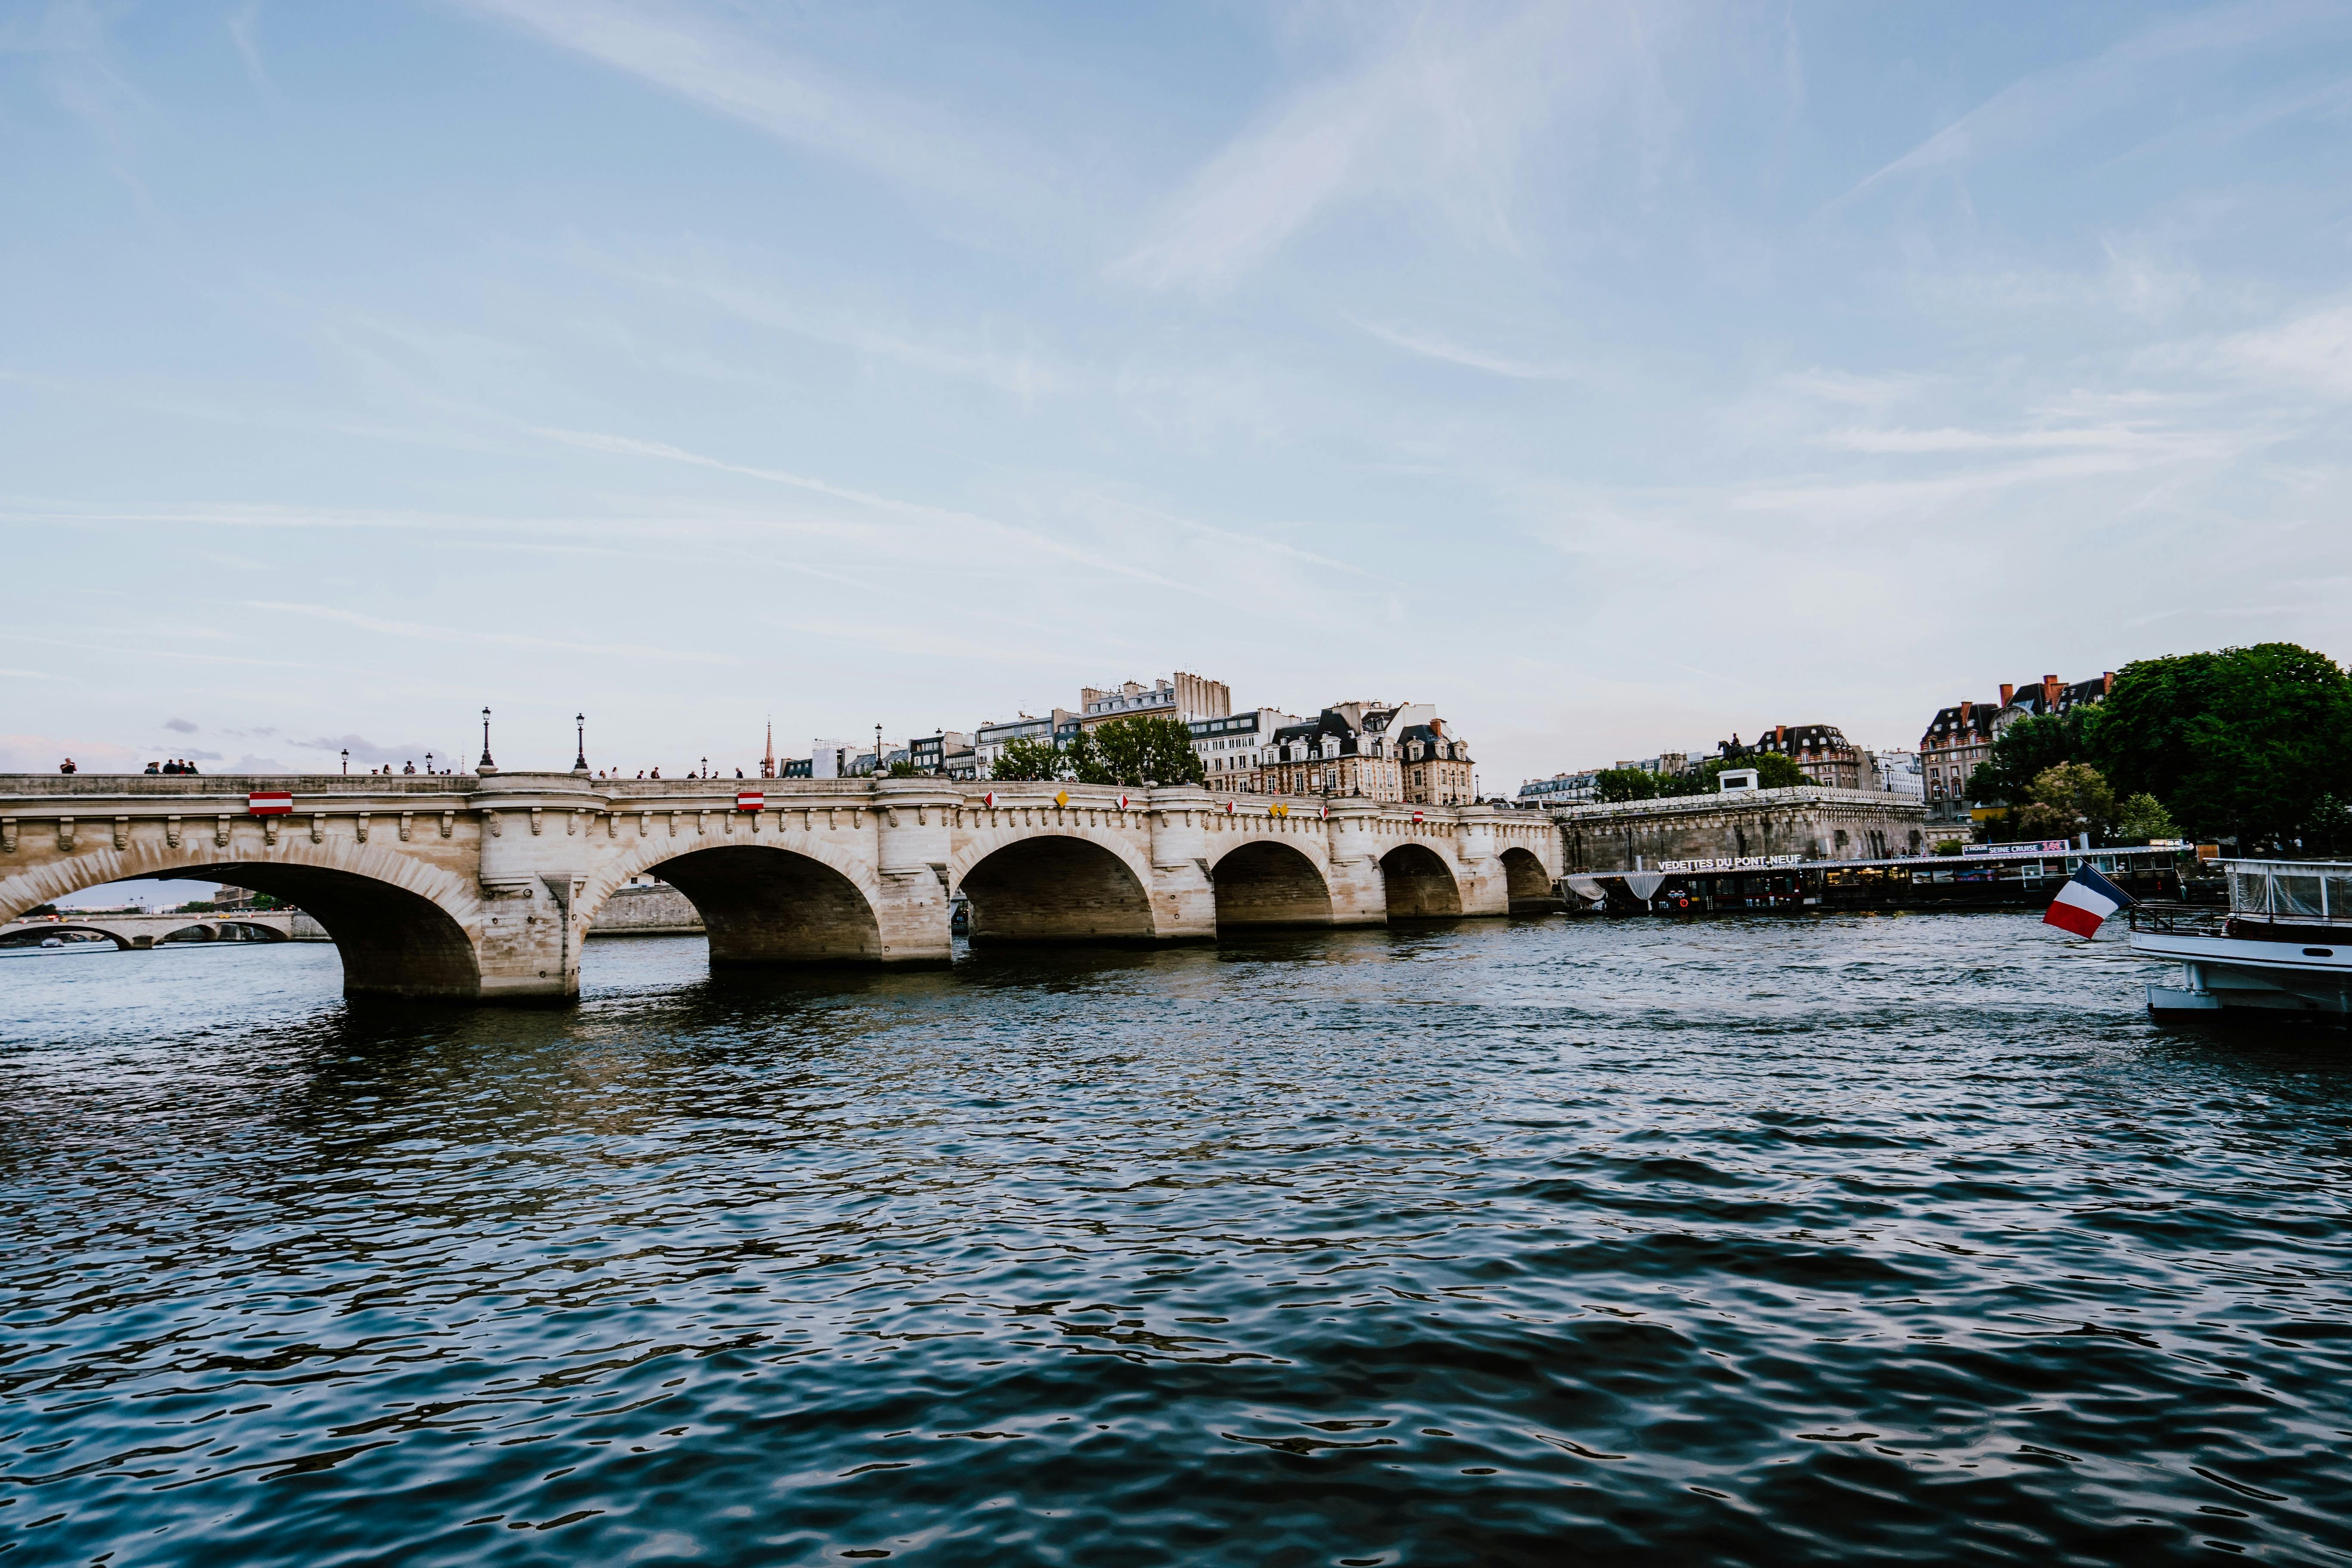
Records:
x=1229, y=808
x=750, y=800
x=270, y=802
x=1122, y=803
x=988, y=800
x=1416, y=816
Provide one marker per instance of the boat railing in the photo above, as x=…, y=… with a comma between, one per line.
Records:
x=2178, y=920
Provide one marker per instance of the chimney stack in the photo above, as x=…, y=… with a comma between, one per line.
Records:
x=2008, y=693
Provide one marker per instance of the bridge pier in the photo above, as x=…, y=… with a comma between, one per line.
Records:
x=1184, y=900
x=1360, y=894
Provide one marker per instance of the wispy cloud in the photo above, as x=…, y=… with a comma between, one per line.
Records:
x=467, y=635
x=2050, y=101
x=1019, y=368
x=688, y=51
x=1429, y=345
x=1436, y=115
x=1948, y=439
x=2314, y=350
x=935, y=516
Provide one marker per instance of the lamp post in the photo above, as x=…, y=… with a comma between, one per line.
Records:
x=428, y=764
x=580, y=762
x=347, y=759
x=705, y=767
x=486, y=767
x=878, y=750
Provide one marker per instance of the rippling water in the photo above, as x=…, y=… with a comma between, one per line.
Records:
x=1752, y=1241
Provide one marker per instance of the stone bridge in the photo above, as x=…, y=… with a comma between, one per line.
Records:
x=486, y=887
x=144, y=930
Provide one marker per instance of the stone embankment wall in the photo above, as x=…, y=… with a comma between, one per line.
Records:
x=1813, y=823
x=651, y=909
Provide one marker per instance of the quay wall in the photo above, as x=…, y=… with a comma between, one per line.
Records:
x=1811, y=822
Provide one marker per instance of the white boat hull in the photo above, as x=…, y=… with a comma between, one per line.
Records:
x=2222, y=973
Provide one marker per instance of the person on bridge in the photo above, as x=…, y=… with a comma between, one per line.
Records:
x=67, y=766
x=154, y=767
x=409, y=769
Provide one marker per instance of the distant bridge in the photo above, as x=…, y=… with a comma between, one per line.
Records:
x=464, y=886
x=143, y=930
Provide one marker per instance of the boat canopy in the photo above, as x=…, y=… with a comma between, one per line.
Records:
x=2298, y=889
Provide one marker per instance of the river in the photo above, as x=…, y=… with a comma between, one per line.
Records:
x=1753, y=1240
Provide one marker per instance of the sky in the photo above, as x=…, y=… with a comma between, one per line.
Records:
x=1615, y=377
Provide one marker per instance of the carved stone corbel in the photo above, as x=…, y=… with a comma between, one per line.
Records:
x=534, y=821
x=220, y=833
x=122, y=833
x=449, y=824
x=172, y=832
x=363, y=827
x=405, y=823
x=317, y=827
x=65, y=833
x=269, y=830
x=498, y=828
x=8, y=835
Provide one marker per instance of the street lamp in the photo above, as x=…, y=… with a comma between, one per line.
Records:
x=486, y=767
x=347, y=759
x=580, y=762
x=878, y=750
x=428, y=764
x=705, y=767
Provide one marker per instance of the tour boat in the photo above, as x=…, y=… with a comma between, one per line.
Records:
x=2283, y=946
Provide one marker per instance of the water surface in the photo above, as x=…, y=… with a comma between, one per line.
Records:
x=1748, y=1241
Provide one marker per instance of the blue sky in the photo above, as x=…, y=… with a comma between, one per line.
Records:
x=1615, y=377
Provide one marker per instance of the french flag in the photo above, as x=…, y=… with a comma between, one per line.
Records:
x=2084, y=904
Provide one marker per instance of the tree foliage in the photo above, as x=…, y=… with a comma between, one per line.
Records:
x=1134, y=752
x=1026, y=760
x=2246, y=742
x=2065, y=801
x=2143, y=817
x=2026, y=750
x=1614, y=785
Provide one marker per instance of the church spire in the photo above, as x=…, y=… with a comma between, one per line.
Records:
x=768, y=758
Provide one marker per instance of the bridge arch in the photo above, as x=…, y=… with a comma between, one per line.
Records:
x=1070, y=886
x=401, y=927
x=1420, y=883
x=1525, y=880
x=760, y=903
x=32, y=936
x=1266, y=883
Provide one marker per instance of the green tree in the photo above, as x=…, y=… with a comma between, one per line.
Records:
x=2143, y=817
x=2026, y=750
x=2066, y=800
x=1026, y=760
x=1136, y=751
x=1614, y=787
x=2246, y=742
x=903, y=769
